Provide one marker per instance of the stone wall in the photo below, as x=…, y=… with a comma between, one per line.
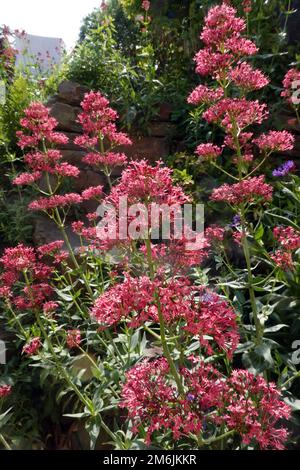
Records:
x=65, y=106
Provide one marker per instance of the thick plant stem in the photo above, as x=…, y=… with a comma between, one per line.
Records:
x=162, y=323
x=61, y=227
x=246, y=249
x=258, y=326
x=4, y=442
x=74, y=387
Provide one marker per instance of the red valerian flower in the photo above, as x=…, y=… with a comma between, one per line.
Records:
x=141, y=182
x=16, y=261
x=50, y=248
x=288, y=237
x=212, y=63
x=291, y=84
x=283, y=259
x=289, y=240
x=18, y=258
x=41, y=126
x=50, y=307
x=27, y=178
x=275, y=141
x=221, y=23
x=208, y=151
x=247, y=78
x=111, y=159
x=203, y=94
x=248, y=190
x=32, y=347
x=146, y=5
x=52, y=202
x=5, y=390
x=243, y=403
x=200, y=313
x=97, y=118
x=236, y=112
x=93, y=192
x=254, y=409
x=73, y=338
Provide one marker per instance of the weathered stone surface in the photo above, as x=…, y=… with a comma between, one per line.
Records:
x=150, y=148
x=89, y=178
x=45, y=231
x=70, y=145
x=66, y=116
x=287, y=120
x=161, y=129
x=165, y=110
x=74, y=157
x=71, y=92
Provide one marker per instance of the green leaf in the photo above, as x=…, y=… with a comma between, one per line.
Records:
x=76, y=415
x=259, y=232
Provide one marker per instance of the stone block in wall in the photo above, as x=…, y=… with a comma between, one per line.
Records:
x=150, y=148
x=66, y=115
x=45, y=231
x=70, y=145
x=161, y=129
x=89, y=178
x=71, y=92
x=74, y=157
x=287, y=120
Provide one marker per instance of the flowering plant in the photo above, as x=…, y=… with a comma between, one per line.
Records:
x=131, y=328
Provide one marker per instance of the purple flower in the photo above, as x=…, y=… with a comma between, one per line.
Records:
x=235, y=221
x=190, y=397
x=284, y=169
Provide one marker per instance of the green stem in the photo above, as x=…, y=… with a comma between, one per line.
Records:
x=224, y=171
x=291, y=379
x=162, y=323
x=258, y=326
x=15, y=317
x=4, y=442
x=96, y=367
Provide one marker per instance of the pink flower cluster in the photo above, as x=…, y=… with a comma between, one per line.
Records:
x=73, y=338
x=99, y=126
x=242, y=403
x=52, y=202
x=289, y=241
x=111, y=159
x=16, y=261
x=208, y=151
x=202, y=94
x=245, y=191
x=224, y=44
x=40, y=127
x=141, y=182
x=291, y=84
x=275, y=141
x=232, y=113
x=247, y=78
x=200, y=313
x=146, y=5
x=5, y=390
x=32, y=347
x=223, y=59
